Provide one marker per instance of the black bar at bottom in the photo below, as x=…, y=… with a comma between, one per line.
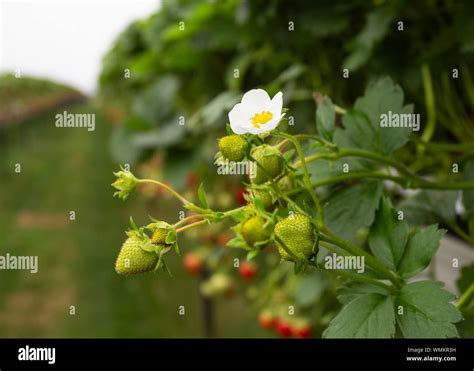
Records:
x=423, y=353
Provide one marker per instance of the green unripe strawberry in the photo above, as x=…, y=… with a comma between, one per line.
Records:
x=217, y=284
x=269, y=163
x=286, y=184
x=264, y=196
x=159, y=236
x=132, y=259
x=233, y=147
x=253, y=230
x=296, y=232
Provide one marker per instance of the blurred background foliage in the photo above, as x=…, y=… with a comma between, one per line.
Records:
x=192, y=60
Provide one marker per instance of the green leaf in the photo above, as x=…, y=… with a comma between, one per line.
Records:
x=228, y=129
x=325, y=118
x=388, y=235
x=420, y=250
x=368, y=316
x=121, y=146
x=157, y=102
x=375, y=29
x=168, y=134
x=252, y=254
x=349, y=209
x=176, y=248
x=202, y=196
x=428, y=207
x=322, y=169
x=297, y=267
x=389, y=242
x=427, y=311
x=166, y=268
x=310, y=289
x=291, y=73
x=288, y=155
x=214, y=113
x=238, y=243
x=353, y=290
x=362, y=127
x=171, y=236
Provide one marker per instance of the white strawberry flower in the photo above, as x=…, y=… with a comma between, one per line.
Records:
x=256, y=113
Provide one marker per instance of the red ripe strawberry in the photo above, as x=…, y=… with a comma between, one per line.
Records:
x=192, y=180
x=223, y=238
x=247, y=270
x=266, y=320
x=302, y=331
x=239, y=195
x=207, y=237
x=283, y=328
x=193, y=263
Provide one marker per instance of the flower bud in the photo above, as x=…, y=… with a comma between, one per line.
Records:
x=124, y=184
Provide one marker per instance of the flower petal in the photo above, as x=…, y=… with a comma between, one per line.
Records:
x=256, y=130
x=256, y=100
x=277, y=104
x=238, y=119
x=273, y=123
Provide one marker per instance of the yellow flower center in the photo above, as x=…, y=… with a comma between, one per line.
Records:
x=261, y=118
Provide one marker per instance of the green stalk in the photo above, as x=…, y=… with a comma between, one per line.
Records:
x=447, y=147
x=287, y=250
x=356, y=277
x=351, y=176
x=458, y=230
x=465, y=297
x=415, y=181
x=370, y=260
x=430, y=107
x=168, y=188
x=307, y=178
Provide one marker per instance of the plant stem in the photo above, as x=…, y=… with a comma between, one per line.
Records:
x=356, y=277
x=402, y=169
x=330, y=247
x=307, y=178
x=315, y=138
x=448, y=147
x=465, y=297
x=413, y=180
x=192, y=225
x=430, y=107
x=224, y=215
x=307, y=136
x=183, y=200
x=287, y=250
x=188, y=218
x=458, y=230
x=351, y=176
x=355, y=250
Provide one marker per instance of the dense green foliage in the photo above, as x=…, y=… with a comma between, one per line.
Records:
x=182, y=61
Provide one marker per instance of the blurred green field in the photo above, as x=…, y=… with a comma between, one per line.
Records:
x=70, y=169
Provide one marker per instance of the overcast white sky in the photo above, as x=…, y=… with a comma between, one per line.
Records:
x=64, y=40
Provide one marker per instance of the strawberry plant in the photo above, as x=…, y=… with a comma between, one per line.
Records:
x=333, y=203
